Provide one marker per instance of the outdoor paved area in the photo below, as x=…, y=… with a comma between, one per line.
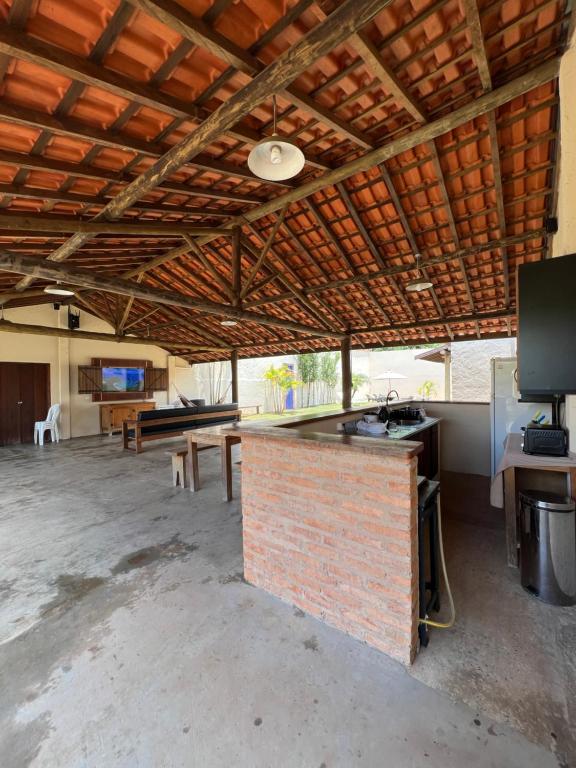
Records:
x=129, y=640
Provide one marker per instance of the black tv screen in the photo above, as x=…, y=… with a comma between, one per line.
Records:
x=123, y=379
x=547, y=327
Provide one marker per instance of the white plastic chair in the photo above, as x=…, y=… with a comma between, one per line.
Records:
x=51, y=423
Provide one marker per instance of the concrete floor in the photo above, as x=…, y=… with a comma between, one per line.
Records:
x=129, y=640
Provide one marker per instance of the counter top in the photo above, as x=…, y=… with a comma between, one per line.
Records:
x=405, y=433
x=290, y=422
x=289, y=430
x=357, y=443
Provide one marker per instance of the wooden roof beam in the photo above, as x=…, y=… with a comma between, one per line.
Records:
x=474, y=25
x=86, y=171
x=56, y=196
x=480, y=106
x=495, y=149
x=390, y=82
x=18, y=222
x=73, y=128
x=449, y=320
x=367, y=277
x=194, y=30
x=287, y=277
x=373, y=248
x=44, y=330
x=47, y=270
x=350, y=16
x=408, y=230
x=451, y=220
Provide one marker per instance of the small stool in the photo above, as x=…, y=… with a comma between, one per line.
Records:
x=179, y=472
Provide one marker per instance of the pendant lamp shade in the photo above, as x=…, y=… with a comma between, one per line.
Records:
x=58, y=290
x=276, y=158
x=421, y=283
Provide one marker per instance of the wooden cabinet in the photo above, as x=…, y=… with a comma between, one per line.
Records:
x=113, y=414
x=428, y=459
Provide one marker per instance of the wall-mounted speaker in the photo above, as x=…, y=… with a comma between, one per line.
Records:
x=551, y=224
x=73, y=319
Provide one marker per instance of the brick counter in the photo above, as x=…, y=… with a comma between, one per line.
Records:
x=330, y=525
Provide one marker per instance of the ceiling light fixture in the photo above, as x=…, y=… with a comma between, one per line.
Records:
x=58, y=290
x=276, y=158
x=228, y=323
x=421, y=283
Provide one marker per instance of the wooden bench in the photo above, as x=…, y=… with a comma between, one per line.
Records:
x=178, y=424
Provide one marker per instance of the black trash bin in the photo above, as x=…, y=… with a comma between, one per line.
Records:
x=548, y=546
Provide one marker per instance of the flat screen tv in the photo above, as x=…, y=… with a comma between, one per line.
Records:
x=547, y=327
x=122, y=379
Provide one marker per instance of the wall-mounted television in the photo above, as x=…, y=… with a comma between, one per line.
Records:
x=547, y=327
x=122, y=379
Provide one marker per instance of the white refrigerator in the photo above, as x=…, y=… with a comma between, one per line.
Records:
x=506, y=413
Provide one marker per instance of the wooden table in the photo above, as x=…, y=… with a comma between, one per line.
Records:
x=520, y=471
x=221, y=435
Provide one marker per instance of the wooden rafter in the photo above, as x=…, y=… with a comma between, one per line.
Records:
x=263, y=253
x=426, y=133
x=368, y=277
x=372, y=58
x=18, y=222
x=43, y=330
x=350, y=16
x=41, y=268
x=447, y=200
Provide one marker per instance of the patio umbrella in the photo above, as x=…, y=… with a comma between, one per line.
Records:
x=389, y=375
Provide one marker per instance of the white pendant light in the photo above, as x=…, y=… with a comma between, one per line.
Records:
x=420, y=284
x=228, y=323
x=276, y=158
x=58, y=290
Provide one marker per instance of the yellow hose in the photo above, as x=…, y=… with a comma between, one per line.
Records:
x=439, y=624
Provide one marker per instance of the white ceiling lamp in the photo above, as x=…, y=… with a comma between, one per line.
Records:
x=228, y=323
x=421, y=283
x=276, y=158
x=58, y=290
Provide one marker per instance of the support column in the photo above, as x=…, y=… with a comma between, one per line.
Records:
x=346, y=363
x=234, y=370
x=448, y=375
x=236, y=267
x=63, y=395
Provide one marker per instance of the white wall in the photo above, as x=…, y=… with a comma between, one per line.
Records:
x=464, y=436
x=373, y=362
x=471, y=366
x=80, y=416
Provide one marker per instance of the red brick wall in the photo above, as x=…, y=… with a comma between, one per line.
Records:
x=333, y=531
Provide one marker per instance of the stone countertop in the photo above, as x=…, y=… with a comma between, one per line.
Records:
x=290, y=422
x=339, y=442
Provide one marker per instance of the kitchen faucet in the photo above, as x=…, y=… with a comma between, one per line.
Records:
x=391, y=392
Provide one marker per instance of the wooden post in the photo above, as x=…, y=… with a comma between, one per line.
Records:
x=234, y=367
x=236, y=268
x=346, y=363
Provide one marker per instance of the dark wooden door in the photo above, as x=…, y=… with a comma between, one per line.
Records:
x=24, y=399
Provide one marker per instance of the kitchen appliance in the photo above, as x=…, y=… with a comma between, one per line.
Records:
x=547, y=327
x=545, y=440
x=406, y=415
x=507, y=414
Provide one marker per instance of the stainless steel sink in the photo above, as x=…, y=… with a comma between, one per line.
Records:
x=406, y=422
